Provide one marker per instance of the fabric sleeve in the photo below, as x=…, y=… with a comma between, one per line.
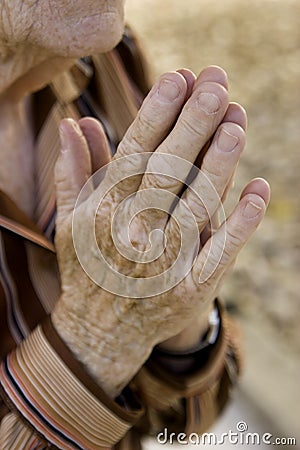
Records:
x=191, y=403
x=50, y=400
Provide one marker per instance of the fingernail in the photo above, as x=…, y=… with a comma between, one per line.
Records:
x=209, y=103
x=168, y=90
x=251, y=210
x=227, y=141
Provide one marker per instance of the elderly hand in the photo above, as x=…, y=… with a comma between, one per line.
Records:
x=140, y=273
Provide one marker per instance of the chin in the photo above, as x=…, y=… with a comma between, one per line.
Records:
x=104, y=39
x=81, y=36
x=96, y=35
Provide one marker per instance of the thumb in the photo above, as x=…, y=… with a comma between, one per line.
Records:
x=98, y=144
x=72, y=169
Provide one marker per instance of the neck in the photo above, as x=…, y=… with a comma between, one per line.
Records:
x=22, y=72
x=16, y=156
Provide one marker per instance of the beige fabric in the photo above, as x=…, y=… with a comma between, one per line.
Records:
x=16, y=435
x=115, y=91
x=205, y=392
x=47, y=151
x=61, y=398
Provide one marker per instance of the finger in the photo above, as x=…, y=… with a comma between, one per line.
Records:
x=97, y=141
x=258, y=186
x=203, y=196
x=230, y=185
x=170, y=165
x=153, y=122
x=156, y=116
x=237, y=114
x=210, y=228
x=224, y=246
x=72, y=169
x=190, y=79
x=212, y=73
x=218, y=75
x=202, y=113
x=198, y=121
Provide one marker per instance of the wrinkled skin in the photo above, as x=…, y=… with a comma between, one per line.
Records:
x=105, y=327
x=69, y=28
x=110, y=334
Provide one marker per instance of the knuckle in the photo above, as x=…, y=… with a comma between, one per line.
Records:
x=226, y=256
x=160, y=182
x=162, y=173
x=163, y=163
x=144, y=125
x=196, y=128
x=196, y=206
x=137, y=137
x=213, y=173
x=130, y=142
x=233, y=240
x=218, y=254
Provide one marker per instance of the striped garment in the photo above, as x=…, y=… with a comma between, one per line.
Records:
x=48, y=399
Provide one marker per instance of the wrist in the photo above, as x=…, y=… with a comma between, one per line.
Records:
x=191, y=335
x=182, y=362
x=110, y=353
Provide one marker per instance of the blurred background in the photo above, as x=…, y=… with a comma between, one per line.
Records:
x=258, y=44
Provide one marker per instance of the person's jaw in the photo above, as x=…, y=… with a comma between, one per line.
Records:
x=48, y=40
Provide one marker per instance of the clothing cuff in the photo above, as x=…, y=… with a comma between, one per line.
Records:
x=53, y=393
x=188, y=361
x=161, y=388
